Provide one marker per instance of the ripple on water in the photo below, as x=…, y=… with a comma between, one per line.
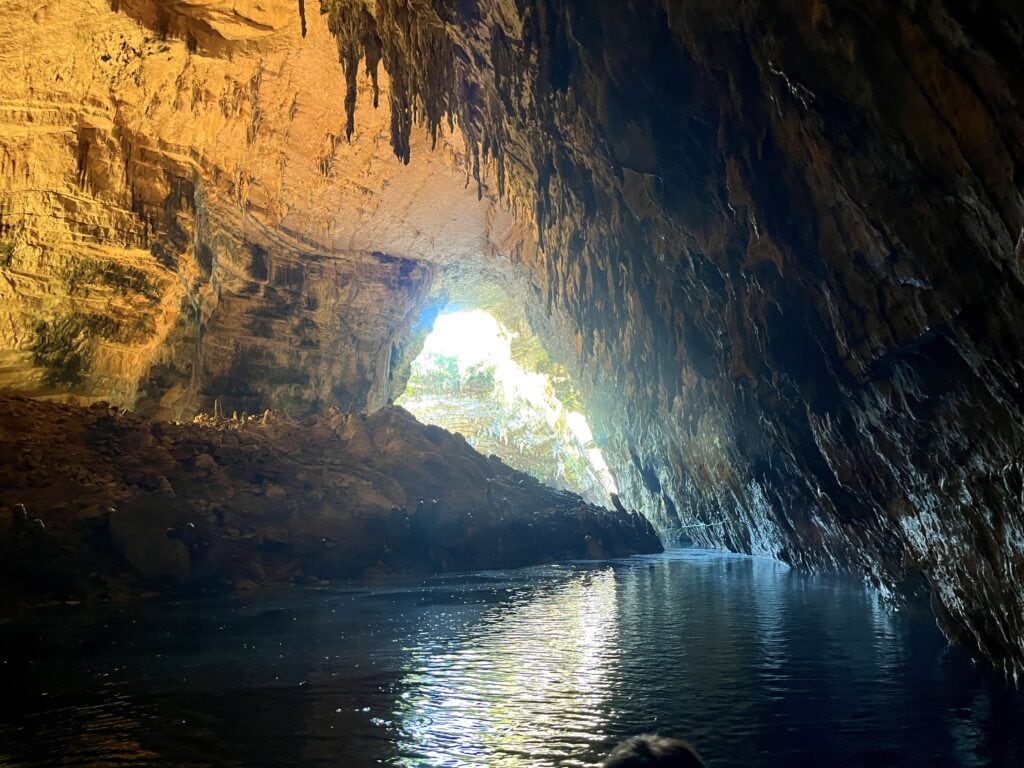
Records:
x=755, y=663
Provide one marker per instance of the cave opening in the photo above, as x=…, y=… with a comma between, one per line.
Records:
x=497, y=386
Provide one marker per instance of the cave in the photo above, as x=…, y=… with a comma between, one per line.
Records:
x=757, y=268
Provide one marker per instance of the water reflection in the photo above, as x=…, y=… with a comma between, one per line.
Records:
x=98, y=734
x=530, y=684
x=539, y=668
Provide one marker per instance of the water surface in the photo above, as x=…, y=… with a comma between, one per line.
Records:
x=756, y=664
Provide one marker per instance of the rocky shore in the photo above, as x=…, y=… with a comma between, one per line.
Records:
x=98, y=503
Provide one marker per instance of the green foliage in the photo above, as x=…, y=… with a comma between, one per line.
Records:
x=505, y=420
x=441, y=374
x=566, y=392
x=479, y=378
x=437, y=373
x=448, y=366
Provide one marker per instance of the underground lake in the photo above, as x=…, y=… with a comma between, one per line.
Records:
x=753, y=662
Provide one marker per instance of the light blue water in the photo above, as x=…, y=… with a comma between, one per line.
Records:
x=756, y=664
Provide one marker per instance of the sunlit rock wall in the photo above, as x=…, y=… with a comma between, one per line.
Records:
x=182, y=218
x=787, y=237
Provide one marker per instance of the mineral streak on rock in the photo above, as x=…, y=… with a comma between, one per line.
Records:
x=215, y=503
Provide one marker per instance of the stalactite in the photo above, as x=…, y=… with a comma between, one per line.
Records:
x=410, y=38
x=354, y=29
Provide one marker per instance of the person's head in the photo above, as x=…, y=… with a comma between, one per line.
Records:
x=651, y=751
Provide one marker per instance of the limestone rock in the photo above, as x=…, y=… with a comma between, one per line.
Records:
x=778, y=244
x=182, y=218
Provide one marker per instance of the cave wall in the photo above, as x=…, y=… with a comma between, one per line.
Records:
x=786, y=238
x=182, y=219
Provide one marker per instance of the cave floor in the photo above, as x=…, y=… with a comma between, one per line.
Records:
x=757, y=664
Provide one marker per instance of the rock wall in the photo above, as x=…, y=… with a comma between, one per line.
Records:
x=787, y=239
x=182, y=218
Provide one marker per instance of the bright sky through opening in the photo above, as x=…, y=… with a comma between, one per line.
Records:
x=475, y=337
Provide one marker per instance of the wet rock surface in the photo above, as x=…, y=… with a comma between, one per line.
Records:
x=101, y=503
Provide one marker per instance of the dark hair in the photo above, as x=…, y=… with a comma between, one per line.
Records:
x=651, y=751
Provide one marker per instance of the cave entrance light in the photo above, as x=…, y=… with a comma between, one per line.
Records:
x=497, y=388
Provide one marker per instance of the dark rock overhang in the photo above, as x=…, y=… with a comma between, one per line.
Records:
x=787, y=235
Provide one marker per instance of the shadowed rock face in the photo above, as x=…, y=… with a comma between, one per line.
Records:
x=778, y=243
x=127, y=503
x=788, y=235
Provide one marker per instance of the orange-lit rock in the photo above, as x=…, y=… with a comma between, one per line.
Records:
x=182, y=217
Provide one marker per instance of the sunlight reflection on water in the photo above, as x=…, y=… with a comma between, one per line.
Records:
x=532, y=675
x=538, y=668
